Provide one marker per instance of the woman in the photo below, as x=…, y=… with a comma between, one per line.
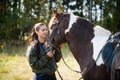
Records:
x=41, y=59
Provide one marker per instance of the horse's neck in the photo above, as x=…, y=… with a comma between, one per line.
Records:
x=82, y=53
x=85, y=53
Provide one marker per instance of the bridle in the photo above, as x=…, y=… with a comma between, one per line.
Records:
x=50, y=39
x=56, y=28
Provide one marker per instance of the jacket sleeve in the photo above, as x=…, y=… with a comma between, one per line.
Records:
x=33, y=59
x=58, y=55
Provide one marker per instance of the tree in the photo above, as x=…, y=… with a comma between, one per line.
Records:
x=103, y=12
x=112, y=15
x=17, y=17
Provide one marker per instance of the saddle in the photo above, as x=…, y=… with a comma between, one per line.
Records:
x=111, y=52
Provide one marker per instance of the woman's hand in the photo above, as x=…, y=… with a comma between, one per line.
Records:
x=50, y=54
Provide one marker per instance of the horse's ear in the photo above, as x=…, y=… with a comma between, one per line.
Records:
x=55, y=13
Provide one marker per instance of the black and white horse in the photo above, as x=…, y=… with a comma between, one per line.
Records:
x=85, y=41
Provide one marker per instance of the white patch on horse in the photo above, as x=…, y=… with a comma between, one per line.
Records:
x=50, y=24
x=101, y=36
x=73, y=19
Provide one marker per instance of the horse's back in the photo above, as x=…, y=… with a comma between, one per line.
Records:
x=117, y=57
x=116, y=41
x=116, y=60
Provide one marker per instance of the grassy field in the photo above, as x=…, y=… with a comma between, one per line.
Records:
x=14, y=65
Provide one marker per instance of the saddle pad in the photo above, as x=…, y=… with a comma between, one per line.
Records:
x=107, y=54
x=107, y=51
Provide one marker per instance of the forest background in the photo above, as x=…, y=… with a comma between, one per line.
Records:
x=17, y=17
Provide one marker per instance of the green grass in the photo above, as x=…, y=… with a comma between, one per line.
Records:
x=14, y=68
x=14, y=65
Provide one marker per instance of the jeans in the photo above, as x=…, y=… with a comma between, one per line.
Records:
x=41, y=76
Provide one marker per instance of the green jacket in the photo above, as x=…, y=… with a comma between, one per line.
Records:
x=40, y=62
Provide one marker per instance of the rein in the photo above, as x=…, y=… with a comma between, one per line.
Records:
x=50, y=40
x=50, y=47
x=56, y=26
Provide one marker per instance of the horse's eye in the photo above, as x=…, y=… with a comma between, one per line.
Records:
x=51, y=27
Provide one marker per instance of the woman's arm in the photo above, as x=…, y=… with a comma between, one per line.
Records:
x=34, y=60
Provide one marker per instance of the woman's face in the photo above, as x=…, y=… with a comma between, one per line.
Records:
x=42, y=32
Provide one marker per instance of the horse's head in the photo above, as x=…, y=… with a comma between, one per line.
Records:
x=57, y=25
x=66, y=27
